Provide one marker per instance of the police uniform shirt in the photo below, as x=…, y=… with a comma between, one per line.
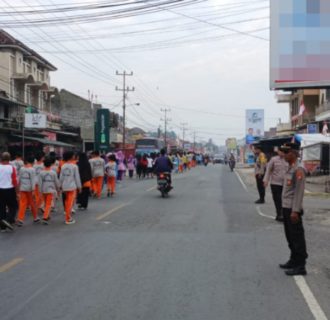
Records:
x=294, y=188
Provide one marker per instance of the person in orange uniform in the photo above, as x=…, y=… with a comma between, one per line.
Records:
x=38, y=166
x=27, y=181
x=48, y=185
x=110, y=170
x=98, y=166
x=70, y=183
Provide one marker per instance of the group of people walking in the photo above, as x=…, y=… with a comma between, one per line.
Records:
x=286, y=178
x=37, y=182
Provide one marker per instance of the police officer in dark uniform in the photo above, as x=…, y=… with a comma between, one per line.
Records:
x=292, y=203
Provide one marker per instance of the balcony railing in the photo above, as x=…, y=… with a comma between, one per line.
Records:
x=40, y=76
x=26, y=67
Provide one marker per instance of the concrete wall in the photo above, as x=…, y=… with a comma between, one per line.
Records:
x=75, y=111
x=4, y=71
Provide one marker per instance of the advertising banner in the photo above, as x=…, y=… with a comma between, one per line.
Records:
x=299, y=44
x=102, y=130
x=231, y=144
x=35, y=120
x=312, y=128
x=255, y=124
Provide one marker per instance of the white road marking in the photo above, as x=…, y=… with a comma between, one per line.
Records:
x=10, y=264
x=101, y=217
x=310, y=299
x=303, y=287
x=240, y=180
x=264, y=215
x=152, y=188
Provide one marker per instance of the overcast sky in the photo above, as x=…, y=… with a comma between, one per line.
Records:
x=208, y=61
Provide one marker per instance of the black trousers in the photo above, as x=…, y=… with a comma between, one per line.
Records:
x=260, y=186
x=295, y=235
x=277, y=197
x=8, y=205
x=83, y=196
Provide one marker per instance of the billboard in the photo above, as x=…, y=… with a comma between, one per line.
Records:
x=300, y=44
x=35, y=120
x=255, y=124
x=102, y=130
x=231, y=144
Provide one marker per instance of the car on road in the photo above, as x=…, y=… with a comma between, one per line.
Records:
x=218, y=158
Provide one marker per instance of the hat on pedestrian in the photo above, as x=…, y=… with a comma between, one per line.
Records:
x=287, y=147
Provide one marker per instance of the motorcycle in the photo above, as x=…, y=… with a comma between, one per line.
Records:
x=232, y=165
x=164, y=183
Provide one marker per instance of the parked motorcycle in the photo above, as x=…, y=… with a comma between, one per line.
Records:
x=164, y=183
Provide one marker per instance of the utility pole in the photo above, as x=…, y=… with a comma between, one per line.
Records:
x=184, y=129
x=125, y=90
x=194, y=141
x=166, y=120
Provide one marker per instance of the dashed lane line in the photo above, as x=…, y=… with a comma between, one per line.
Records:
x=108, y=213
x=310, y=299
x=240, y=180
x=151, y=189
x=10, y=264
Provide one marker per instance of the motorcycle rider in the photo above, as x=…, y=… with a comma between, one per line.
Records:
x=232, y=161
x=164, y=164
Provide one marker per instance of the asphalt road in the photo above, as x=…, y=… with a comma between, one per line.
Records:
x=203, y=253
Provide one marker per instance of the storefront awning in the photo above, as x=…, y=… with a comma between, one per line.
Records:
x=46, y=141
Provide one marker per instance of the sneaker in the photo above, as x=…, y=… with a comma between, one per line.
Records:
x=45, y=221
x=73, y=211
x=19, y=223
x=71, y=221
x=36, y=221
x=7, y=224
x=108, y=194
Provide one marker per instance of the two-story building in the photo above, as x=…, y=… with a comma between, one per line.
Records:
x=24, y=81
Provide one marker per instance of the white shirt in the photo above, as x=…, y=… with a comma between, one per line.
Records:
x=150, y=162
x=7, y=176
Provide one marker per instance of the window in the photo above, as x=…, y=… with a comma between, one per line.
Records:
x=327, y=94
x=6, y=112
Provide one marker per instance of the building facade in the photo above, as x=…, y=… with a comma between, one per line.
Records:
x=24, y=83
